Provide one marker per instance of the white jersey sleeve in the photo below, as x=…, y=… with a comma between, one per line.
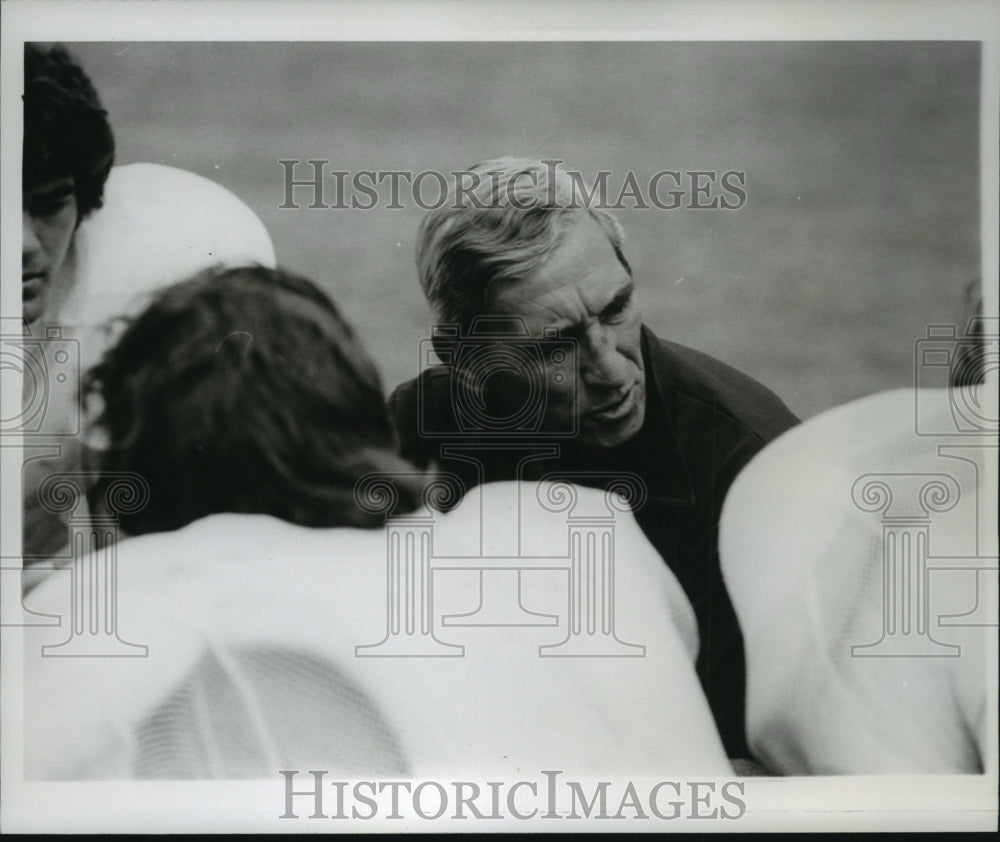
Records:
x=158, y=225
x=271, y=646
x=860, y=553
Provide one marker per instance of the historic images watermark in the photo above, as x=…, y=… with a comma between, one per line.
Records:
x=45, y=426
x=315, y=184
x=49, y=365
x=48, y=415
x=522, y=800
x=969, y=360
x=964, y=439
x=522, y=431
x=588, y=628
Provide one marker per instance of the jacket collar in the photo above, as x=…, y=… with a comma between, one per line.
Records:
x=671, y=483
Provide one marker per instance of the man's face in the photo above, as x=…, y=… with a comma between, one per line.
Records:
x=48, y=216
x=585, y=291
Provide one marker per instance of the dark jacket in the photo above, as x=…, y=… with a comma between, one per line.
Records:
x=704, y=422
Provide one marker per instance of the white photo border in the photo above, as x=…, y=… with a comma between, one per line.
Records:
x=843, y=803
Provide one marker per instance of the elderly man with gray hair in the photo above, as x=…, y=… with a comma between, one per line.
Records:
x=540, y=341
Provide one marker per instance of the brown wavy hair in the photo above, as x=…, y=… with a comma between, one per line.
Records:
x=245, y=390
x=66, y=129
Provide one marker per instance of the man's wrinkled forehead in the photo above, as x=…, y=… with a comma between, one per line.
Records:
x=581, y=275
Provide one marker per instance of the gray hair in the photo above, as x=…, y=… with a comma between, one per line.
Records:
x=502, y=219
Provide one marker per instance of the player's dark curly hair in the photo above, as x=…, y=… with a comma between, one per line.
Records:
x=244, y=390
x=66, y=130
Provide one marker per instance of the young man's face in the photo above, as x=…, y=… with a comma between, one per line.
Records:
x=48, y=217
x=584, y=290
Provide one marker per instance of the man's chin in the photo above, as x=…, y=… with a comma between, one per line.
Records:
x=607, y=434
x=32, y=308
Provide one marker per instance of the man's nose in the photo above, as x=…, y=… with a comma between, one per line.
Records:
x=30, y=244
x=602, y=364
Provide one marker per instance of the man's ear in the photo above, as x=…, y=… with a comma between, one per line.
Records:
x=436, y=343
x=445, y=340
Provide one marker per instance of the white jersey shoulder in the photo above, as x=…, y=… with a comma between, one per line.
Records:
x=259, y=610
x=843, y=545
x=158, y=225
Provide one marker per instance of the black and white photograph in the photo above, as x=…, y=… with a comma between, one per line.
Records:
x=499, y=417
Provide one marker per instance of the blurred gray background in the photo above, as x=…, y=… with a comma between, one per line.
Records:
x=861, y=224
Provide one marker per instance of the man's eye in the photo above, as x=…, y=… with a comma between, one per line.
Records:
x=43, y=209
x=50, y=205
x=616, y=309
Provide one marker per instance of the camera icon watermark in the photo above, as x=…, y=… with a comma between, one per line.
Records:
x=968, y=362
x=534, y=373
x=42, y=423
x=496, y=395
x=49, y=365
